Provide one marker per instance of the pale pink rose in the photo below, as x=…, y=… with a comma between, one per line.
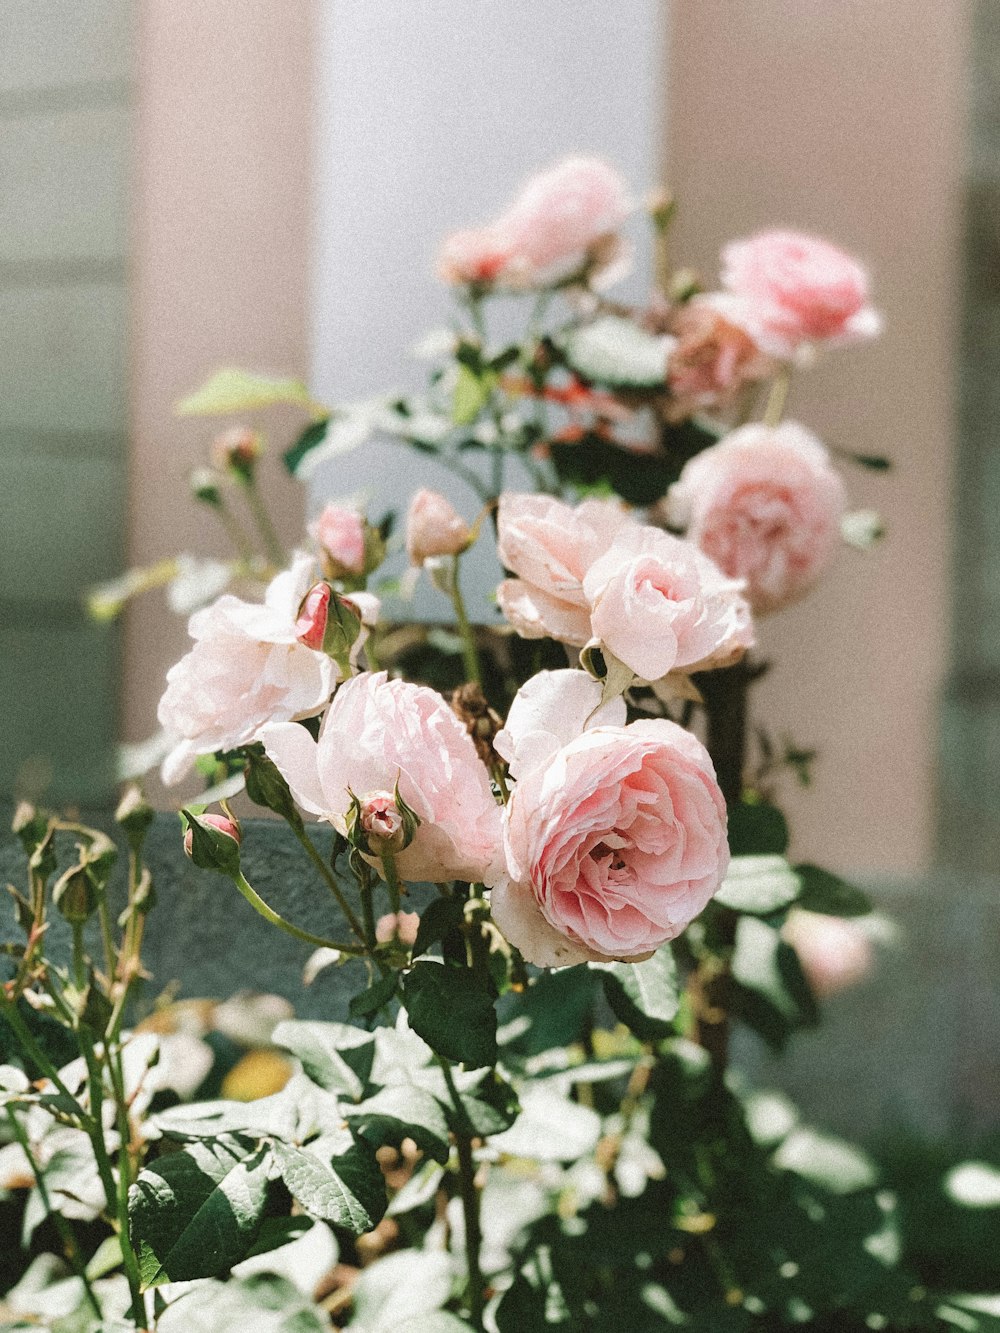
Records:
x=476, y=255
x=340, y=531
x=799, y=290
x=614, y=840
x=766, y=504
x=713, y=356
x=550, y=546
x=834, y=953
x=562, y=221
x=659, y=605
x=400, y=926
x=550, y=710
x=434, y=528
x=247, y=668
x=379, y=733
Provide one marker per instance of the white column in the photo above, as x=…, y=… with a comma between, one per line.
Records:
x=430, y=113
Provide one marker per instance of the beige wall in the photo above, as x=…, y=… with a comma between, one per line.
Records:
x=221, y=246
x=845, y=117
x=841, y=116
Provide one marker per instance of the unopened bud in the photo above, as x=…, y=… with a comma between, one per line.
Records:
x=99, y=860
x=401, y=926
x=205, y=486
x=310, y=626
x=684, y=284
x=344, y=627
x=435, y=528
x=339, y=531
x=74, y=895
x=30, y=826
x=661, y=206
x=135, y=815
x=381, y=823
x=213, y=842
x=237, y=451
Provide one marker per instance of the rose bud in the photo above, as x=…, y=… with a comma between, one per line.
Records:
x=383, y=819
x=835, y=954
x=213, y=842
x=434, y=528
x=205, y=486
x=401, y=926
x=237, y=450
x=310, y=626
x=340, y=532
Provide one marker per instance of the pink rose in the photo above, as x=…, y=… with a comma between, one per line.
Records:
x=798, y=290
x=559, y=223
x=401, y=926
x=238, y=447
x=340, y=531
x=713, y=356
x=247, y=668
x=766, y=504
x=550, y=546
x=659, y=605
x=834, y=953
x=313, y=615
x=380, y=732
x=614, y=840
x=434, y=528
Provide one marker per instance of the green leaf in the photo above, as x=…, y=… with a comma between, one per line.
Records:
x=550, y=1128
x=418, y=1190
x=376, y=997
x=822, y=891
x=451, y=1008
x=392, y=1294
x=616, y=352
x=311, y=438
x=195, y=1213
x=264, y=1303
x=757, y=829
x=334, y=1179
x=472, y=393
x=233, y=390
x=334, y=1055
x=439, y=917
x=437, y=1321
x=874, y=462
x=551, y=1012
x=402, y=1111
x=643, y=995
x=769, y=990
x=759, y=884
x=594, y=464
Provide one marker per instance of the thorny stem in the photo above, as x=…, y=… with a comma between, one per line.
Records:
x=470, y=1203
x=70, y=1246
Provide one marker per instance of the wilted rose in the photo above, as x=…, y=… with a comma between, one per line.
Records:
x=766, y=504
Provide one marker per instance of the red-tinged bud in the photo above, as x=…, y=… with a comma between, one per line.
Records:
x=226, y=826
x=237, y=450
x=313, y=615
x=383, y=822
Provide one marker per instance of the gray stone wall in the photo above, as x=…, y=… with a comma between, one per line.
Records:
x=64, y=144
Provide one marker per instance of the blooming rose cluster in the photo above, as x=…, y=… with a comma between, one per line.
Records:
x=563, y=220
x=656, y=602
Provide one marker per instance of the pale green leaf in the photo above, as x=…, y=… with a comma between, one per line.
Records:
x=233, y=390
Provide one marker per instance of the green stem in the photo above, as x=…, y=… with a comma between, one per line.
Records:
x=117, y=1201
x=272, y=544
x=70, y=1246
x=234, y=531
x=470, y=1203
x=110, y=954
x=391, y=876
x=41, y=1060
x=470, y=654
x=368, y=911
x=79, y=966
x=330, y=879
x=777, y=397
x=269, y=914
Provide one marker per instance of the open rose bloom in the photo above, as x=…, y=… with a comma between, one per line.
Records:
x=766, y=505
x=615, y=835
